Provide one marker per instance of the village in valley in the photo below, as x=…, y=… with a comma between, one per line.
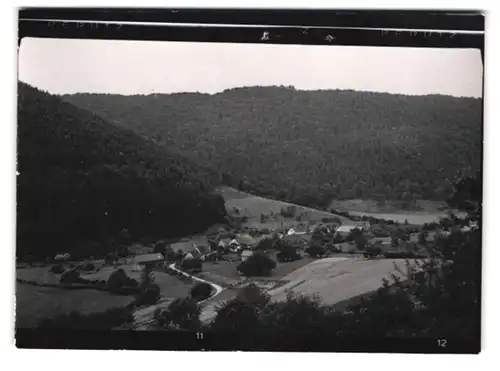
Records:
x=269, y=209
x=278, y=247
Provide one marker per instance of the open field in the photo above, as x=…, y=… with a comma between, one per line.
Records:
x=417, y=212
x=172, y=287
x=337, y=279
x=36, y=303
x=38, y=274
x=225, y=273
x=253, y=206
x=105, y=272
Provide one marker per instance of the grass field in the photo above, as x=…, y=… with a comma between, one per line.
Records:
x=36, y=303
x=253, y=206
x=171, y=286
x=40, y=275
x=225, y=273
x=337, y=279
x=417, y=212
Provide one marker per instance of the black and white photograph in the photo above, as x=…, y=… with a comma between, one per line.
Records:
x=286, y=196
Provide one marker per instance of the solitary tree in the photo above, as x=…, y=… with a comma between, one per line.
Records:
x=257, y=265
x=201, y=291
x=422, y=238
x=316, y=250
x=361, y=242
x=159, y=247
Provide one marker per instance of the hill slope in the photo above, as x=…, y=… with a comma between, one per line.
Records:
x=309, y=147
x=82, y=179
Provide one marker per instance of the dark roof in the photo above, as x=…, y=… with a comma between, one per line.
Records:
x=246, y=239
x=138, y=259
x=204, y=249
x=294, y=238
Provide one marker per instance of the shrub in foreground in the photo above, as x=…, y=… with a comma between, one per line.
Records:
x=149, y=294
x=181, y=314
x=201, y=291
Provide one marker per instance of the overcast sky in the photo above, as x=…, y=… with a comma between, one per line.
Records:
x=144, y=67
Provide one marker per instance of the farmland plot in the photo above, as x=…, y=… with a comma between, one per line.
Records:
x=36, y=303
x=337, y=279
x=253, y=206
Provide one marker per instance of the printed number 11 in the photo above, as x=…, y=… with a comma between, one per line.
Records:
x=199, y=335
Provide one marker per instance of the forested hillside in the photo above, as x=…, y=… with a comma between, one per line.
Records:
x=311, y=146
x=82, y=180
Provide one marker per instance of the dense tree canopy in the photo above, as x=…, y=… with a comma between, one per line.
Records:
x=84, y=180
x=311, y=146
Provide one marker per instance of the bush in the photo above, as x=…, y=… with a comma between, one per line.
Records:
x=257, y=265
x=372, y=251
x=236, y=316
x=192, y=265
x=71, y=276
x=149, y=294
x=288, y=253
x=361, y=242
x=118, y=280
x=180, y=314
x=315, y=251
x=57, y=269
x=201, y=291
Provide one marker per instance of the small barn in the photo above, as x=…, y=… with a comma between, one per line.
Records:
x=147, y=260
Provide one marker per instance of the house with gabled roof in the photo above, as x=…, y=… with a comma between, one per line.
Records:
x=245, y=240
x=147, y=260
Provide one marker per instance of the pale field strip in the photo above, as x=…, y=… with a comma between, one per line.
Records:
x=338, y=279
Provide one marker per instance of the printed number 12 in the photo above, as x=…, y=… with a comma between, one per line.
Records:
x=441, y=343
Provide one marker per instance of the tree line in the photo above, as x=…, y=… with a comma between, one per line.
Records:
x=310, y=147
x=82, y=181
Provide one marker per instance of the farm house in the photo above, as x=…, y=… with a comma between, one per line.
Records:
x=345, y=229
x=245, y=240
x=147, y=260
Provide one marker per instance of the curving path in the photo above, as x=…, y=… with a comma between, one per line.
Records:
x=144, y=316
